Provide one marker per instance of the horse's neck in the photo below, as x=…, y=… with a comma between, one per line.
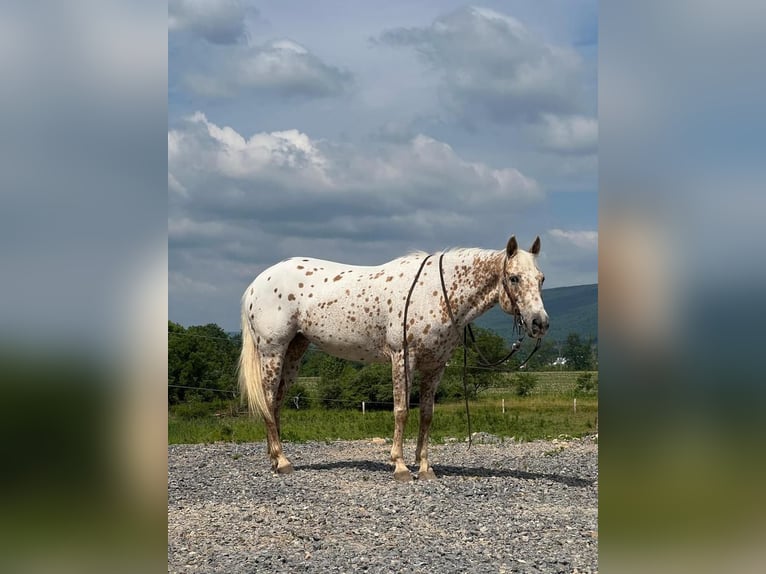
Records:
x=472, y=277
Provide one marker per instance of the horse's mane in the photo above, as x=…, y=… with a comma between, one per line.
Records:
x=418, y=253
x=470, y=250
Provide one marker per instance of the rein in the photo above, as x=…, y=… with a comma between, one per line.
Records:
x=484, y=362
x=467, y=330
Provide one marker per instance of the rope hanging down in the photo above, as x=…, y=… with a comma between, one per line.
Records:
x=467, y=330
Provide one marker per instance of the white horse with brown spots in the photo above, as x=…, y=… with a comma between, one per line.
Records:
x=358, y=313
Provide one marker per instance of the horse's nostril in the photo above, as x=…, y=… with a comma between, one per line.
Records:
x=540, y=324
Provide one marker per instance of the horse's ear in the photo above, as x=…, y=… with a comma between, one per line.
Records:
x=512, y=246
x=535, y=249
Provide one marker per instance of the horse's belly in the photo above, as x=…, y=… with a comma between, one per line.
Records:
x=349, y=347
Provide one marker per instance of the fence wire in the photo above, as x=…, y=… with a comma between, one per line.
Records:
x=299, y=398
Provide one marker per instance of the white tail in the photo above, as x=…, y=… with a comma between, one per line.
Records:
x=250, y=381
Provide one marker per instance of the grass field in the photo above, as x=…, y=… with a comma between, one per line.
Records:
x=547, y=412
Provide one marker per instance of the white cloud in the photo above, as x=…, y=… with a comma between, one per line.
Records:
x=491, y=63
x=281, y=67
x=570, y=257
x=288, y=184
x=407, y=168
x=217, y=21
x=574, y=134
x=223, y=151
x=586, y=240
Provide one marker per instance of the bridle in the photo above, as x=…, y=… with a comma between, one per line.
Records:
x=519, y=323
x=467, y=331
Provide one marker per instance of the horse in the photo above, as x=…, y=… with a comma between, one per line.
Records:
x=410, y=311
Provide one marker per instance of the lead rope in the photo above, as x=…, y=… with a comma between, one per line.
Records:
x=466, y=331
x=465, y=386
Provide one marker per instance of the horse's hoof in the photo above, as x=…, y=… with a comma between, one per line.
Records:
x=285, y=468
x=402, y=476
x=427, y=475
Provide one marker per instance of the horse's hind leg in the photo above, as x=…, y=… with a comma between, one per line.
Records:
x=279, y=371
x=272, y=363
x=290, y=368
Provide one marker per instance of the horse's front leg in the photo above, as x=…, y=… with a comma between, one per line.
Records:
x=401, y=410
x=428, y=385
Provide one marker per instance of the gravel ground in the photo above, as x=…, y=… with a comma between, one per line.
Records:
x=507, y=507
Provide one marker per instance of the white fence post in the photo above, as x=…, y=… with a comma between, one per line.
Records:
x=575, y=404
x=503, y=406
x=362, y=407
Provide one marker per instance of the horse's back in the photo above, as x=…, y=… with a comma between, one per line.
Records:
x=338, y=307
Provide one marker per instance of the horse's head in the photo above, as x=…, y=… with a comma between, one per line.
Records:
x=520, y=286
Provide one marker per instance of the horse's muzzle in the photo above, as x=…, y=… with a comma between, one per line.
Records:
x=540, y=325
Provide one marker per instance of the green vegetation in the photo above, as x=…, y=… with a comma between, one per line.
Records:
x=201, y=363
x=547, y=411
x=325, y=402
x=586, y=383
x=526, y=418
x=524, y=382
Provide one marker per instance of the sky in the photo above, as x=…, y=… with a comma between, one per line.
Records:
x=361, y=131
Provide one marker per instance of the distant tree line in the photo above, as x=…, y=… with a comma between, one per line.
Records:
x=202, y=363
x=202, y=368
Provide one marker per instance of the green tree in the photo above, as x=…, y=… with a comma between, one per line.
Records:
x=334, y=377
x=541, y=360
x=586, y=383
x=525, y=383
x=311, y=362
x=578, y=353
x=203, y=357
x=298, y=397
x=493, y=347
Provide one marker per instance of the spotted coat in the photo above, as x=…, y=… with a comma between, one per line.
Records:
x=357, y=313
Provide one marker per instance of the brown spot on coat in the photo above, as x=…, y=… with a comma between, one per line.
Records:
x=291, y=297
x=336, y=278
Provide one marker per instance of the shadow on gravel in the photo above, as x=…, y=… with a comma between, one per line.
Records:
x=341, y=464
x=443, y=471
x=473, y=471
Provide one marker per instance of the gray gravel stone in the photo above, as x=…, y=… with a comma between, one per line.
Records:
x=504, y=507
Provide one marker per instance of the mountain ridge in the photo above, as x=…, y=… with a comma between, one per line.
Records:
x=572, y=309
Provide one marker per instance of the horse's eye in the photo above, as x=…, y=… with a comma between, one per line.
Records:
x=515, y=279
